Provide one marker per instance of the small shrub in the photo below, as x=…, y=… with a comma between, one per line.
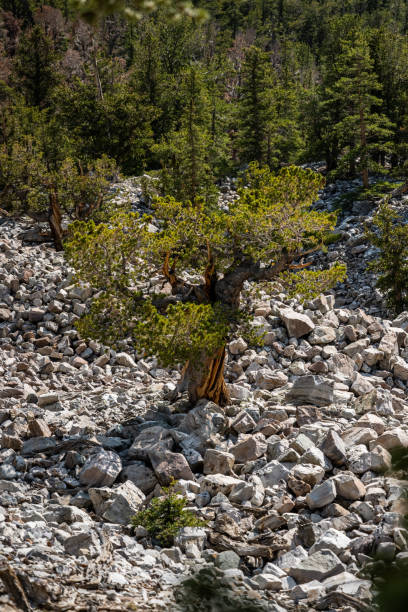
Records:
x=165, y=516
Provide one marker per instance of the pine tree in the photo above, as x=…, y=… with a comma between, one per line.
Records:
x=255, y=107
x=263, y=236
x=390, y=236
x=390, y=54
x=35, y=67
x=361, y=129
x=185, y=153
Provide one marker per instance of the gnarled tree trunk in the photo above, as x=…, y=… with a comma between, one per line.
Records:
x=206, y=379
x=55, y=219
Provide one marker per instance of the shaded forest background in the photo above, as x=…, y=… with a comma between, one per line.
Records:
x=272, y=81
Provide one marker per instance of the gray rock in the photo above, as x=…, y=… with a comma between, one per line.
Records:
x=119, y=504
x=85, y=542
x=297, y=324
x=66, y=514
x=315, y=390
x=218, y=462
x=270, y=379
x=334, y=448
x=227, y=559
x=321, y=495
x=141, y=476
x=322, y=335
x=349, y=486
x=149, y=439
x=218, y=483
x=333, y=540
x=38, y=445
x=170, y=466
x=272, y=473
x=249, y=447
x=125, y=360
x=317, y=566
x=101, y=469
x=48, y=398
x=238, y=346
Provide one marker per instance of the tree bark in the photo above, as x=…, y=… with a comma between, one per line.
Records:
x=54, y=219
x=206, y=379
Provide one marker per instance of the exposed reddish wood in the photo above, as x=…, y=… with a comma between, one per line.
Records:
x=55, y=219
x=206, y=380
x=168, y=272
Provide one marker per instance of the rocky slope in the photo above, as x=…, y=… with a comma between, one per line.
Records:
x=289, y=477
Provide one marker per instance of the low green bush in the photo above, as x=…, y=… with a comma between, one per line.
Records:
x=166, y=516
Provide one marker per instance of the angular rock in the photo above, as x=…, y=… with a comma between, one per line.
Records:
x=38, y=428
x=309, y=473
x=82, y=543
x=218, y=483
x=379, y=460
x=204, y=424
x=393, y=438
x=272, y=473
x=141, y=476
x=38, y=445
x=378, y=401
x=315, y=390
x=249, y=448
x=297, y=324
x=333, y=540
x=351, y=350
x=361, y=385
x=123, y=359
x=47, y=398
x=119, y=504
x=170, y=466
x=101, y=469
x=218, y=462
x=322, y=335
x=349, y=486
x=270, y=379
x=334, y=448
x=238, y=346
x=317, y=566
x=243, y=422
x=150, y=439
x=400, y=368
x=321, y=495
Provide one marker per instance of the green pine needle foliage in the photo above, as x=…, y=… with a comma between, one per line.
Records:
x=271, y=221
x=390, y=236
x=166, y=516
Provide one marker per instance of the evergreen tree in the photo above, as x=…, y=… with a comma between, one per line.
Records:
x=361, y=130
x=390, y=236
x=185, y=153
x=35, y=67
x=263, y=236
x=390, y=55
x=255, y=107
x=119, y=125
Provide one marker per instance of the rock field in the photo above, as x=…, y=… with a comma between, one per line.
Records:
x=289, y=476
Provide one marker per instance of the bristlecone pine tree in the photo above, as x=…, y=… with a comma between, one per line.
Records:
x=264, y=236
x=29, y=187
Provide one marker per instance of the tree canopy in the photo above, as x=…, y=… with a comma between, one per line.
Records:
x=267, y=232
